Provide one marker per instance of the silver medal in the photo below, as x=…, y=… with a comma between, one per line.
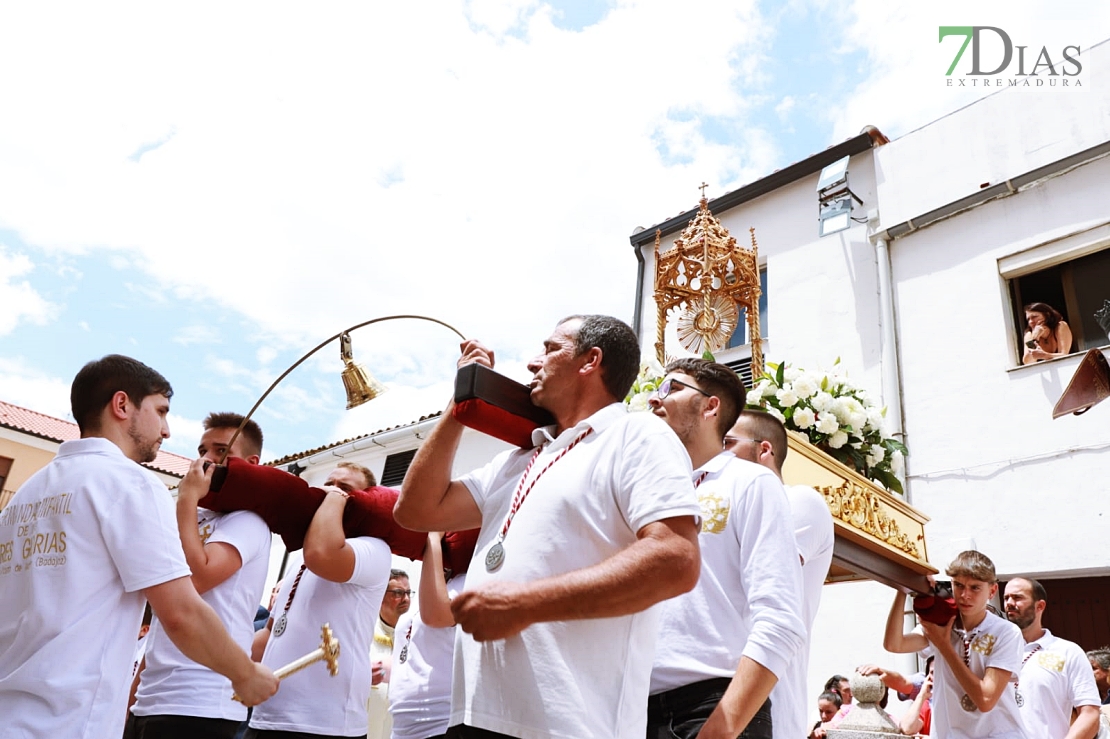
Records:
x=495, y=557
x=279, y=625
x=404, y=654
x=1017, y=697
x=967, y=704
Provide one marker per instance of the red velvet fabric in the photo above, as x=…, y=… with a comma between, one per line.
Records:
x=287, y=504
x=934, y=608
x=458, y=550
x=497, y=422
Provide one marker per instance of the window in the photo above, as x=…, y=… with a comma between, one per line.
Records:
x=1078, y=288
x=740, y=335
x=5, y=470
x=396, y=465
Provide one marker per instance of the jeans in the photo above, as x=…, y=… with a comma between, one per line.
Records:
x=680, y=713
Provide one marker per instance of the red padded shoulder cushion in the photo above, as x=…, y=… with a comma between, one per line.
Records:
x=934, y=608
x=287, y=504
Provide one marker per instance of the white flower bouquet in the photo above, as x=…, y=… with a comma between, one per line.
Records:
x=650, y=377
x=839, y=418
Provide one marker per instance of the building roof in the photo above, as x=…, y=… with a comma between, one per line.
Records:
x=868, y=138
x=316, y=450
x=47, y=427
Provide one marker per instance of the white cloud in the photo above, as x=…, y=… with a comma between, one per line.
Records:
x=20, y=301
x=189, y=335
x=31, y=388
x=514, y=167
x=185, y=435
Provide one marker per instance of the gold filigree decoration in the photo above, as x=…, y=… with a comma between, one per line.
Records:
x=862, y=509
x=704, y=270
x=714, y=513
x=708, y=325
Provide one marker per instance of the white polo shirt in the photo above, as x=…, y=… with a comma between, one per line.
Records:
x=1055, y=678
x=79, y=542
x=174, y=685
x=994, y=643
x=813, y=533
x=584, y=678
x=748, y=601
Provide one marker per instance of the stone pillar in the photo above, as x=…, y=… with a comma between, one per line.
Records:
x=866, y=720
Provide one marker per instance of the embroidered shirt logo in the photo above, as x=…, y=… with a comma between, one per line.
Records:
x=1051, y=661
x=714, y=513
x=983, y=644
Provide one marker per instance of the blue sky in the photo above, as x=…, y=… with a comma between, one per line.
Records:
x=214, y=192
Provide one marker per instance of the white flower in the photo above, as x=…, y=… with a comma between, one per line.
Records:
x=639, y=401
x=821, y=401
x=897, y=462
x=827, y=424
x=769, y=389
x=805, y=386
x=875, y=418
x=877, y=455
x=857, y=420
x=838, y=440
x=775, y=412
x=650, y=367
x=755, y=397
x=791, y=373
x=804, y=417
x=786, y=396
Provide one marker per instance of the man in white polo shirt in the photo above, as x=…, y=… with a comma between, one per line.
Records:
x=1055, y=678
x=341, y=583
x=228, y=554
x=724, y=645
x=580, y=536
x=759, y=437
x=83, y=544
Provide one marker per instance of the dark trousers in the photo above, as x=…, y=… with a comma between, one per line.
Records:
x=680, y=713
x=462, y=731
x=182, y=727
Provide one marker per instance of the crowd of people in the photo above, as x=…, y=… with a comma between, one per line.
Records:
x=634, y=574
x=986, y=673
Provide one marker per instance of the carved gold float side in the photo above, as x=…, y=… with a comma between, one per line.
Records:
x=863, y=513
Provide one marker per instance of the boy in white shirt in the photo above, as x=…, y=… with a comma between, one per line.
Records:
x=977, y=659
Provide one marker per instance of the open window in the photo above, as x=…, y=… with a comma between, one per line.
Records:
x=1070, y=273
x=1078, y=288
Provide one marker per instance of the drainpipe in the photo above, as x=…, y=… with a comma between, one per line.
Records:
x=638, y=310
x=891, y=371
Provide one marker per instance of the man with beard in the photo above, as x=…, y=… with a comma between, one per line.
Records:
x=1055, y=675
x=83, y=544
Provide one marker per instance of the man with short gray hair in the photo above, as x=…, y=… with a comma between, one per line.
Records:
x=580, y=536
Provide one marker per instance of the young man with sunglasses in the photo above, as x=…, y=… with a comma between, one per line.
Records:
x=723, y=646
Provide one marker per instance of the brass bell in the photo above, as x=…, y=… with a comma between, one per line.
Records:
x=357, y=380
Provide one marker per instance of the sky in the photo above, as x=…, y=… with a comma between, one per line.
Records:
x=216, y=188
